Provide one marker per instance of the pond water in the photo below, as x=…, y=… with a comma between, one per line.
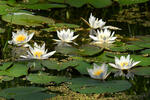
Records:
x=67, y=73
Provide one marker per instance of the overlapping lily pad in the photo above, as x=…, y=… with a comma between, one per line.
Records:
x=15, y=71
x=25, y=93
x=52, y=64
x=143, y=71
x=45, y=79
x=27, y=19
x=87, y=85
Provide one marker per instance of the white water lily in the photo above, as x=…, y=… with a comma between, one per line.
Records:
x=98, y=72
x=95, y=22
x=124, y=63
x=103, y=37
x=20, y=38
x=38, y=52
x=65, y=36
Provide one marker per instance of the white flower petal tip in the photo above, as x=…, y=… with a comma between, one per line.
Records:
x=124, y=63
x=112, y=28
x=65, y=36
x=38, y=52
x=98, y=72
x=103, y=37
x=95, y=23
x=20, y=38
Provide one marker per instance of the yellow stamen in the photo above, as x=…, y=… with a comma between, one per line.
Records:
x=98, y=72
x=38, y=54
x=20, y=38
x=124, y=64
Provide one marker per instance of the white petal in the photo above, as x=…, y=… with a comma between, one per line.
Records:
x=113, y=65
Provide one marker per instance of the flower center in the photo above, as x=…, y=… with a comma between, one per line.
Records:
x=20, y=38
x=98, y=72
x=124, y=64
x=38, y=54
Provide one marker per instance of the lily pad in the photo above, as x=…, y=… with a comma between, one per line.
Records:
x=5, y=65
x=129, y=2
x=25, y=93
x=146, y=51
x=143, y=71
x=5, y=78
x=133, y=47
x=88, y=50
x=121, y=49
x=87, y=85
x=45, y=79
x=55, y=65
x=27, y=19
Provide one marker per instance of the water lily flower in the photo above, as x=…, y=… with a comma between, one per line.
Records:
x=38, y=52
x=98, y=72
x=65, y=36
x=103, y=37
x=124, y=63
x=20, y=38
x=95, y=22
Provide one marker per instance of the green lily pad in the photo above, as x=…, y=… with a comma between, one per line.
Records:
x=146, y=51
x=5, y=65
x=25, y=93
x=100, y=3
x=143, y=71
x=17, y=70
x=27, y=19
x=121, y=49
x=5, y=9
x=144, y=45
x=45, y=79
x=82, y=67
x=67, y=50
x=87, y=85
x=129, y=2
x=133, y=47
x=42, y=6
x=55, y=65
x=88, y=50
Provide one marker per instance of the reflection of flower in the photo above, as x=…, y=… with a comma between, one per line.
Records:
x=65, y=36
x=95, y=23
x=98, y=72
x=103, y=37
x=38, y=52
x=124, y=63
x=20, y=38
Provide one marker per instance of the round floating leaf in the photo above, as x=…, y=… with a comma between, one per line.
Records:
x=25, y=93
x=45, y=79
x=121, y=49
x=100, y=3
x=82, y=67
x=66, y=49
x=143, y=71
x=103, y=58
x=5, y=9
x=146, y=51
x=52, y=64
x=88, y=50
x=144, y=45
x=17, y=70
x=26, y=19
x=42, y=6
x=87, y=85
x=5, y=65
x=76, y=3
x=129, y=2
x=132, y=47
